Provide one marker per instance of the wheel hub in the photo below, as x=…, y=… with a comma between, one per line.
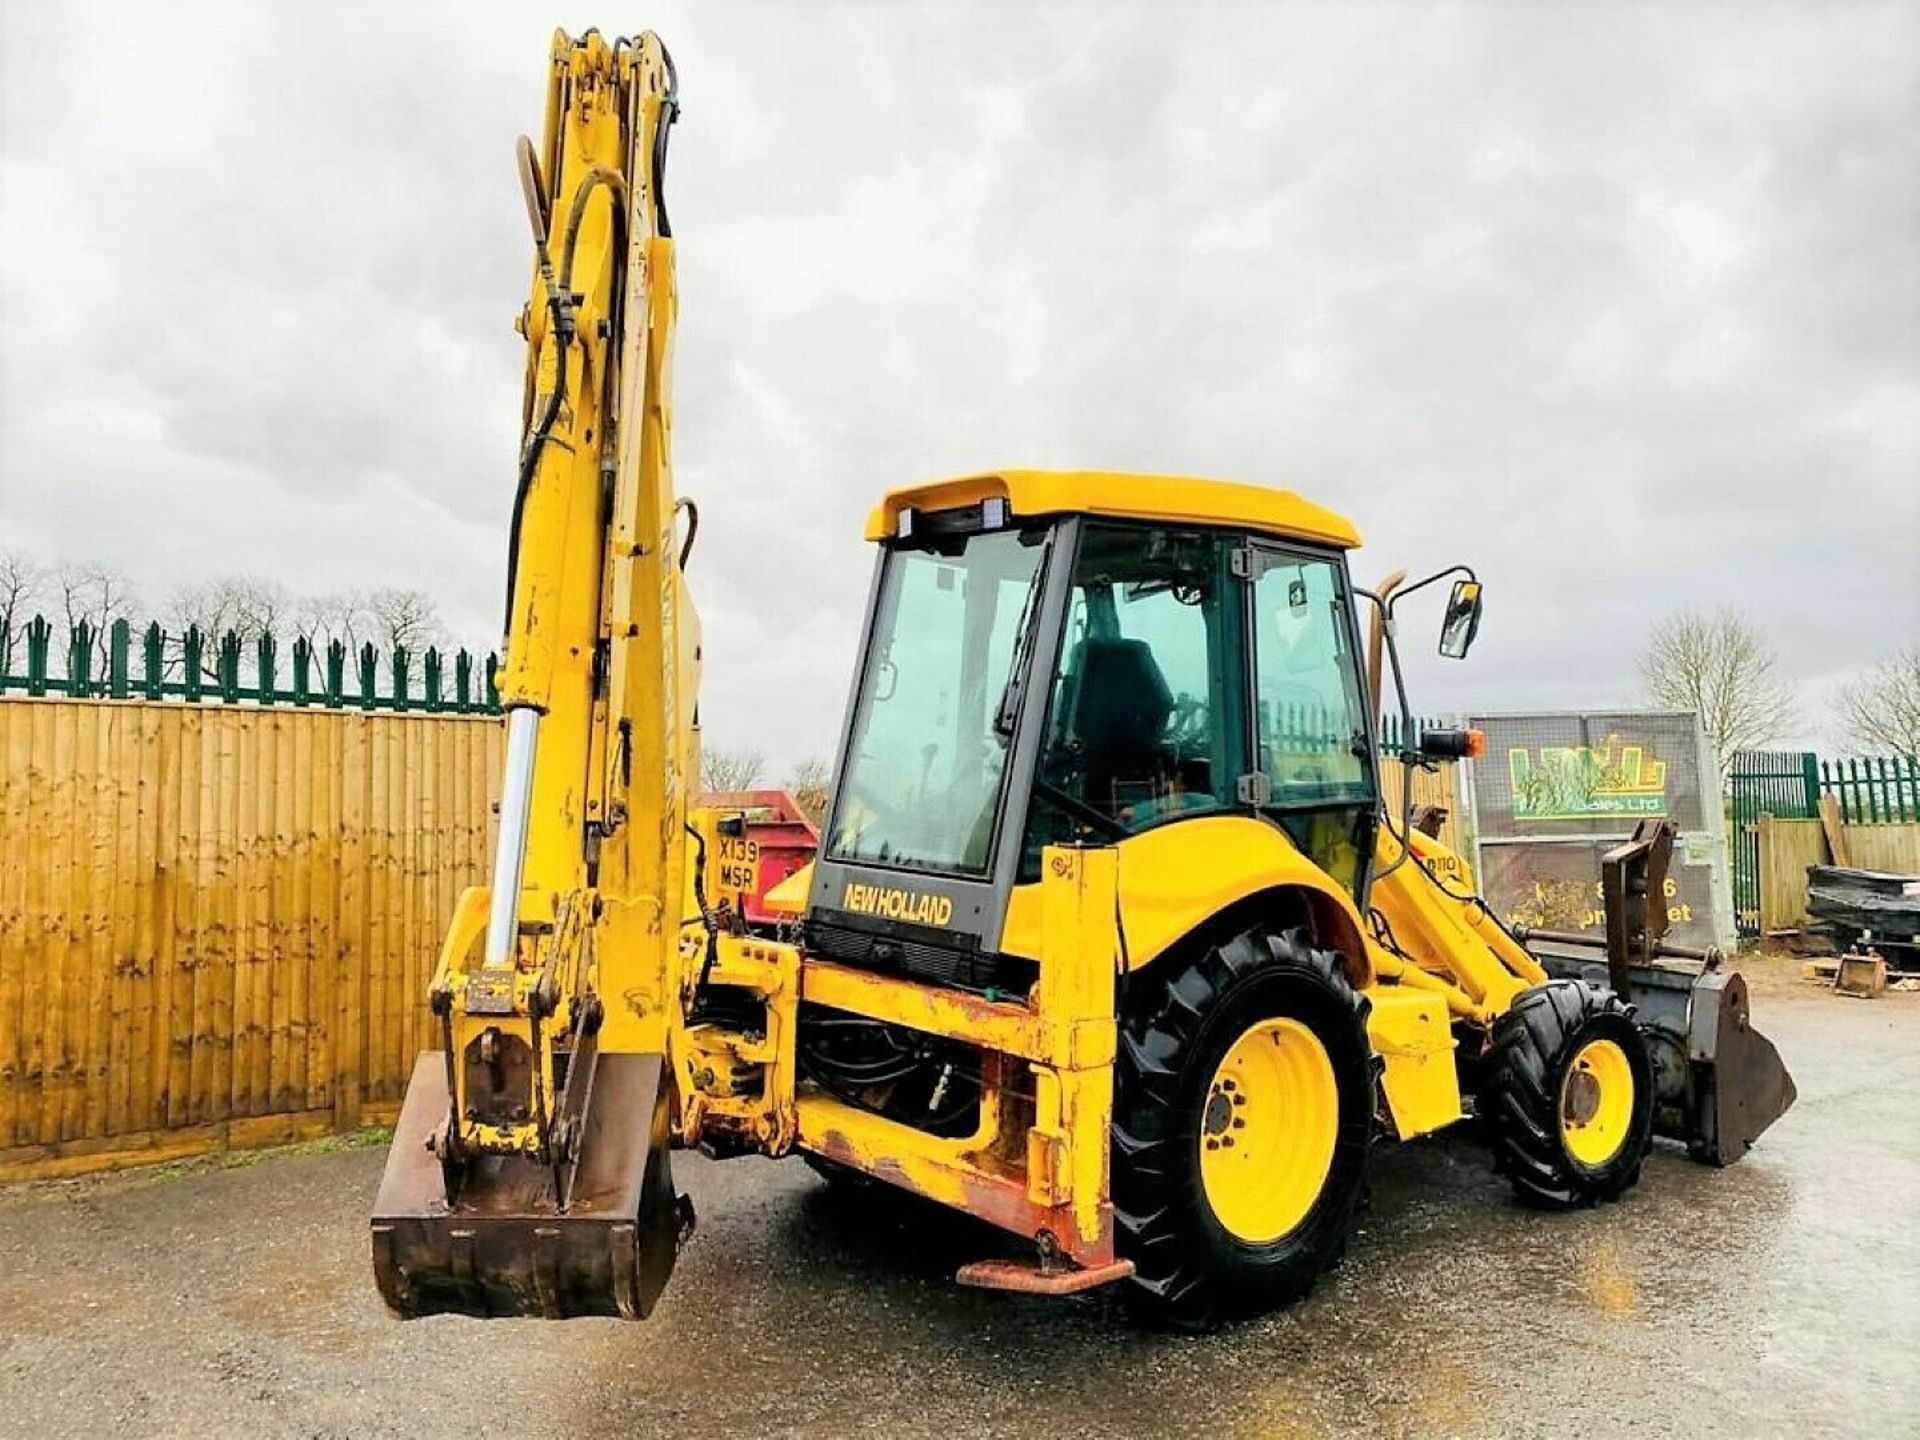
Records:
x=1583, y=1095
x=1219, y=1114
x=1596, y=1103
x=1268, y=1129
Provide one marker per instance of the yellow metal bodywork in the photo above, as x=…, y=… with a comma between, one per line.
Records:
x=1098, y=913
x=789, y=897
x=1037, y=1163
x=1173, y=878
x=1440, y=935
x=602, y=639
x=1452, y=961
x=1410, y=1032
x=1267, y=1134
x=1169, y=499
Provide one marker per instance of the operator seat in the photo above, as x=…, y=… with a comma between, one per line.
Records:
x=1118, y=712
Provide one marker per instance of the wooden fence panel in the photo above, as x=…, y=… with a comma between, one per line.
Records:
x=1788, y=847
x=1430, y=787
x=1894, y=848
x=209, y=915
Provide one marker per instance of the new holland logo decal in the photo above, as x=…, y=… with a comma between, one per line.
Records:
x=891, y=903
x=1582, y=782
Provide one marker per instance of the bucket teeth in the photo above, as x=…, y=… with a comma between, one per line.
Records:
x=504, y=1246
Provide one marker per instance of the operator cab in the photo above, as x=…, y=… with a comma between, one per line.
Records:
x=1050, y=659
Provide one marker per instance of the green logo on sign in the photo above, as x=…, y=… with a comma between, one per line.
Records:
x=1580, y=782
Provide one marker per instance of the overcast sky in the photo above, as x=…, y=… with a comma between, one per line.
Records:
x=1621, y=306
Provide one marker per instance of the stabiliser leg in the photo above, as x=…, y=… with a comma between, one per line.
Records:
x=503, y=1246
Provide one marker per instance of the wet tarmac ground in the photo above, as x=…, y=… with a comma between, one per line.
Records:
x=1779, y=1297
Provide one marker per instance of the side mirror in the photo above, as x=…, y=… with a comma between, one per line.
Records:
x=1462, y=620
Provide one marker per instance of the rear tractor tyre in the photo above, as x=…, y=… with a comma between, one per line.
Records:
x=1568, y=1096
x=1242, y=1111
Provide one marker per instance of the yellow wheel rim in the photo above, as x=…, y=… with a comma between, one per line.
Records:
x=1596, y=1103
x=1267, y=1130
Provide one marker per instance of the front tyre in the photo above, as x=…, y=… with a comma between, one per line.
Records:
x=1243, y=1101
x=1568, y=1096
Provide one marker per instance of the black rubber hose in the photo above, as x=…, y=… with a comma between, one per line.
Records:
x=558, y=292
x=707, y=920
x=669, y=112
x=693, y=527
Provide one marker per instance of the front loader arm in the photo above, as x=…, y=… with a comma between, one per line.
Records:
x=1718, y=1082
x=529, y=1170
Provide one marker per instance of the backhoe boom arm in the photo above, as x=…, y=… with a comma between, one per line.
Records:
x=529, y=1173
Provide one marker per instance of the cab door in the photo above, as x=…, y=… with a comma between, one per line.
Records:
x=1315, y=774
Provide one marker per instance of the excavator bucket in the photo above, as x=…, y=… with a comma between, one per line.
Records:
x=506, y=1242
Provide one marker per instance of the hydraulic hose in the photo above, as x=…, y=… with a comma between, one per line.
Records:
x=559, y=293
x=560, y=312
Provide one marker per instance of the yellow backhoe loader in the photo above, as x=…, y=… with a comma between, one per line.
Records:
x=1111, y=940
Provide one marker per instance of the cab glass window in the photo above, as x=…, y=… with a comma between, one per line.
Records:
x=1144, y=718
x=927, y=763
x=1309, y=715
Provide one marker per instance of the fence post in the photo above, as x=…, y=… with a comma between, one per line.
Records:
x=462, y=681
x=369, y=677
x=227, y=668
x=399, y=663
x=430, y=672
x=119, y=643
x=263, y=675
x=190, y=647
x=39, y=637
x=153, y=661
x=80, y=660
x=302, y=671
x=336, y=674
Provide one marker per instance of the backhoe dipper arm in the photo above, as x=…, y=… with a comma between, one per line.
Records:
x=529, y=1170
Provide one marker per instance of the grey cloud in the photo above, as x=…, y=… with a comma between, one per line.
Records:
x=1621, y=305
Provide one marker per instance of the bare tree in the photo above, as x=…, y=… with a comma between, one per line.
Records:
x=21, y=590
x=1882, y=710
x=730, y=769
x=247, y=605
x=807, y=782
x=322, y=619
x=1719, y=666
x=393, y=617
x=96, y=594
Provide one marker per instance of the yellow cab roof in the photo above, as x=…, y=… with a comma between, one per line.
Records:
x=1177, y=499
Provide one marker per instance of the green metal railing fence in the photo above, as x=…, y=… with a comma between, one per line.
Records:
x=1781, y=783
x=1788, y=785
x=207, y=669
x=1392, y=741
x=1876, y=790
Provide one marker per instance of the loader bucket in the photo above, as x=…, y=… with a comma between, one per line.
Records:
x=503, y=1245
x=1739, y=1086
x=1718, y=1082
